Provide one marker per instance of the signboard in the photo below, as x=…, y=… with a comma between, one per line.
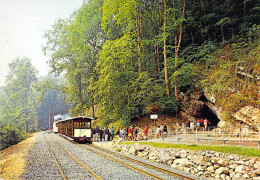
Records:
x=154, y=116
x=82, y=132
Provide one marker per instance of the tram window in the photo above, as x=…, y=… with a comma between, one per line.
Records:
x=87, y=125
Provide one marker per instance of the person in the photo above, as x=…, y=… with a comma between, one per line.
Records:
x=161, y=130
x=126, y=133
x=106, y=133
x=198, y=124
x=165, y=129
x=188, y=124
x=109, y=133
x=112, y=133
x=191, y=126
x=158, y=131
x=96, y=131
x=101, y=133
x=130, y=133
x=122, y=133
x=93, y=133
x=145, y=132
x=135, y=134
x=206, y=123
x=118, y=132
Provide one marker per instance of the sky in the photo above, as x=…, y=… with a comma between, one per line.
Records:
x=22, y=26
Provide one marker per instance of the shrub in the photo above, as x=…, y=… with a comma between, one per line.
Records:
x=10, y=135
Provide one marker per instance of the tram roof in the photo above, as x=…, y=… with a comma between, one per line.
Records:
x=79, y=117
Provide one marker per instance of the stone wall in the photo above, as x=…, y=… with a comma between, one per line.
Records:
x=209, y=164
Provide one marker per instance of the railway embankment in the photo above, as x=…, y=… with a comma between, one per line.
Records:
x=208, y=164
x=13, y=158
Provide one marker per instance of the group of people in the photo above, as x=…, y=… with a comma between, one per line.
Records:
x=161, y=131
x=128, y=133
x=106, y=133
x=200, y=122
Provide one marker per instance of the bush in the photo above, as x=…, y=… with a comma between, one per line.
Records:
x=10, y=135
x=169, y=105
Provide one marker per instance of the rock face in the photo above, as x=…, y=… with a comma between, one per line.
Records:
x=209, y=164
x=249, y=115
x=195, y=103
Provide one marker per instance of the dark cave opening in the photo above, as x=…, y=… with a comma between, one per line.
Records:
x=203, y=98
x=209, y=115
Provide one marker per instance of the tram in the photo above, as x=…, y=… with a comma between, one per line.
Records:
x=77, y=128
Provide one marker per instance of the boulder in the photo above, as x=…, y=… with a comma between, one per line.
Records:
x=223, y=162
x=210, y=169
x=249, y=115
x=132, y=150
x=202, y=160
x=222, y=170
x=181, y=161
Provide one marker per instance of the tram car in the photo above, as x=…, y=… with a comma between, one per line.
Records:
x=77, y=128
x=55, y=126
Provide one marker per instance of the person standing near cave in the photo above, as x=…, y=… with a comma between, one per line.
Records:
x=206, y=123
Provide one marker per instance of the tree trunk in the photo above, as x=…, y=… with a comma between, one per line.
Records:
x=36, y=123
x=25, y=126
x=138, y=34
x=49, y=119
x=177, y=47
x=93, y=109
x=165, y=53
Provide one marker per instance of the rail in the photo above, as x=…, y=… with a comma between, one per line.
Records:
x=73, y=157
x=136, y=161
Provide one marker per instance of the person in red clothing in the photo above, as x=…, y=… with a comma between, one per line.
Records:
x=145, y=132
x=130, y=133
x=206, y=123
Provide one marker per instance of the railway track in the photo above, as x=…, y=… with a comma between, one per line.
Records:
x=104, y=153
x=145, y=164
x=58, y=162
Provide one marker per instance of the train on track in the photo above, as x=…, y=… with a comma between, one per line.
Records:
x=77, y=128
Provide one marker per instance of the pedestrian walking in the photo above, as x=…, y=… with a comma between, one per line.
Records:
x=130, y=133
x=97, y=131
x=145, y=132
x=106, y=133
x=206, y=123
x=165, y=130
x=112, y=133
x=136, y=134
x=101, y=133
x=118, y=133
x=191, y=126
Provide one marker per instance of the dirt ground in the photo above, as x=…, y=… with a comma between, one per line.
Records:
x=13, y=159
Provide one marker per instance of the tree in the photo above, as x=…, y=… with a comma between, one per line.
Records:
x=19, y=99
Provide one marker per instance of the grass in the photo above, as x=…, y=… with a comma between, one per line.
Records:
x=249, y=152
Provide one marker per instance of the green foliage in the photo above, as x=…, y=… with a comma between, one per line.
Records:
x=18, y=104
x=169, y=105
x=10, y=135
x=111, y=52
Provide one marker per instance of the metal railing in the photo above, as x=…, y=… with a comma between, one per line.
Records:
x=212, y=136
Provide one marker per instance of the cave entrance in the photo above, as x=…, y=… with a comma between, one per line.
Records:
x=209, y=115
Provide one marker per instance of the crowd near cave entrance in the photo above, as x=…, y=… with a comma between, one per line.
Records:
x=209, y=115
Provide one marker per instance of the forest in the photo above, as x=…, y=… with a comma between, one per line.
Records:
x=119, y=60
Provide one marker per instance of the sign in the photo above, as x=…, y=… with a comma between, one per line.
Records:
x=154, y=116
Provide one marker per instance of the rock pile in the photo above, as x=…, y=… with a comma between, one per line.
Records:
x=209, y=164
